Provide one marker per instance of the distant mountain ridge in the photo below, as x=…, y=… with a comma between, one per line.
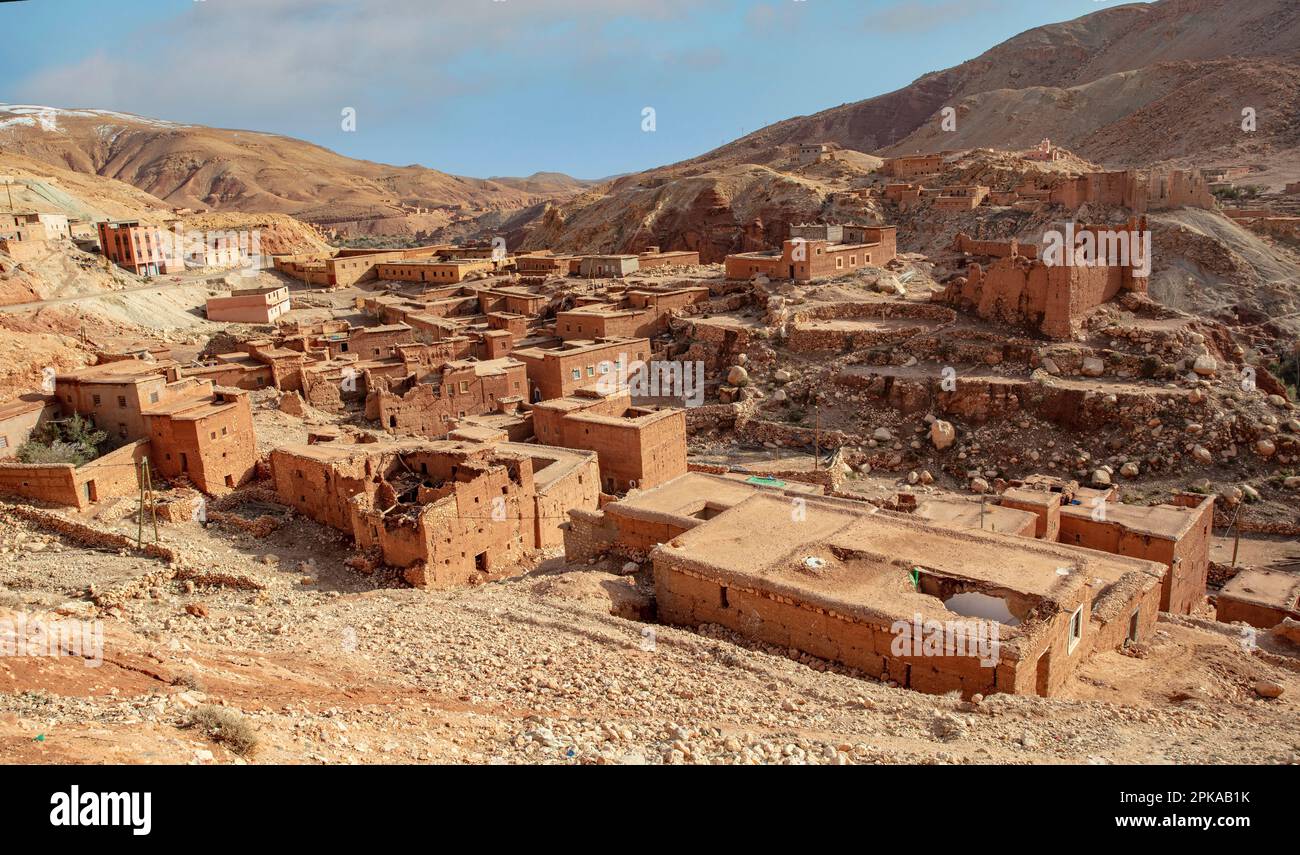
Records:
x=192, y=166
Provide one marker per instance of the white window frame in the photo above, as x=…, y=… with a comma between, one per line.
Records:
x=1075, y=639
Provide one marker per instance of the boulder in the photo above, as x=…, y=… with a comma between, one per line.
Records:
x=737, y=376
x=942, y=434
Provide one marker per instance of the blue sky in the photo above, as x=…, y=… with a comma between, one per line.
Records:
x=495, y=87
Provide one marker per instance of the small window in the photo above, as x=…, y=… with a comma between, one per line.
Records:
x=1076, y=629
x=577, y=374
x=4, y=442
x=591, y=371
x=96, y=400
x=153, y=397
x=121, y=400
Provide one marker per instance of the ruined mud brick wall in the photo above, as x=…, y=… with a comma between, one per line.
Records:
x=322, y=490
x=478, y=519
x=323, y=389
x=217, y=450
x=803, y=338
x=88, y=536
x=578, y=490
x=1110, y=621
x=994, y=248
x=715, y=345
x=711, y=417
x=761, y=431
x=109, y=476
x=588, y=535
x=431, y=409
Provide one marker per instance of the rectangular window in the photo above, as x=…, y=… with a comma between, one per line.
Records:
x=4, y=442
x=1076, y=629
x=121, y=400
x=577, y=373
x=153, y=397
x=96, y=400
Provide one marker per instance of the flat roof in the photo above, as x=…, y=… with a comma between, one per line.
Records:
x=1272, y=588
x=25, y=404
x=851, y=559
x=966, y=514
x=1170, y=522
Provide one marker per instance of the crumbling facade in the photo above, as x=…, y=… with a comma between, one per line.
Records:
x=447, y=513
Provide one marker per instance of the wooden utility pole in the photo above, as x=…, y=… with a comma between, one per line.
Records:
x=817, y=426
x=1236, y=540
x=146, y=498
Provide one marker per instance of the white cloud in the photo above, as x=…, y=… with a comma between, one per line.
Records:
x=257, y=59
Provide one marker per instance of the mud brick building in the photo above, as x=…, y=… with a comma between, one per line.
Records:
x=249, y=306
x=616, y=266
x=448, y=513
x=113, y=395
x=1053, y=299
x=1177, y=534
x=653, y=258
x=146, y=250
x=430, y=405
x=203, y=434
x=20, y=417
x=840, y=250
x=638, y=448
x=108, y=476
x=542, y=264
x=634, y=525
x=913, y=165
x=869, y=589
x=1261, y=598
x=638, y=313
x=237, y=370
x=437, y=270
x=559, y=371
x=187, y=428
x=507, y=298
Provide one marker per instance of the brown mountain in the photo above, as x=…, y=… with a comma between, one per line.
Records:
x=1090, y=84
x=192, y=166
x=1126, y=86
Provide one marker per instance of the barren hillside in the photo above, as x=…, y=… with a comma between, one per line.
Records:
x=192, y=166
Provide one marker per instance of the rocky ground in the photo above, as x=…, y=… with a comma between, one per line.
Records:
x=327, y=665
